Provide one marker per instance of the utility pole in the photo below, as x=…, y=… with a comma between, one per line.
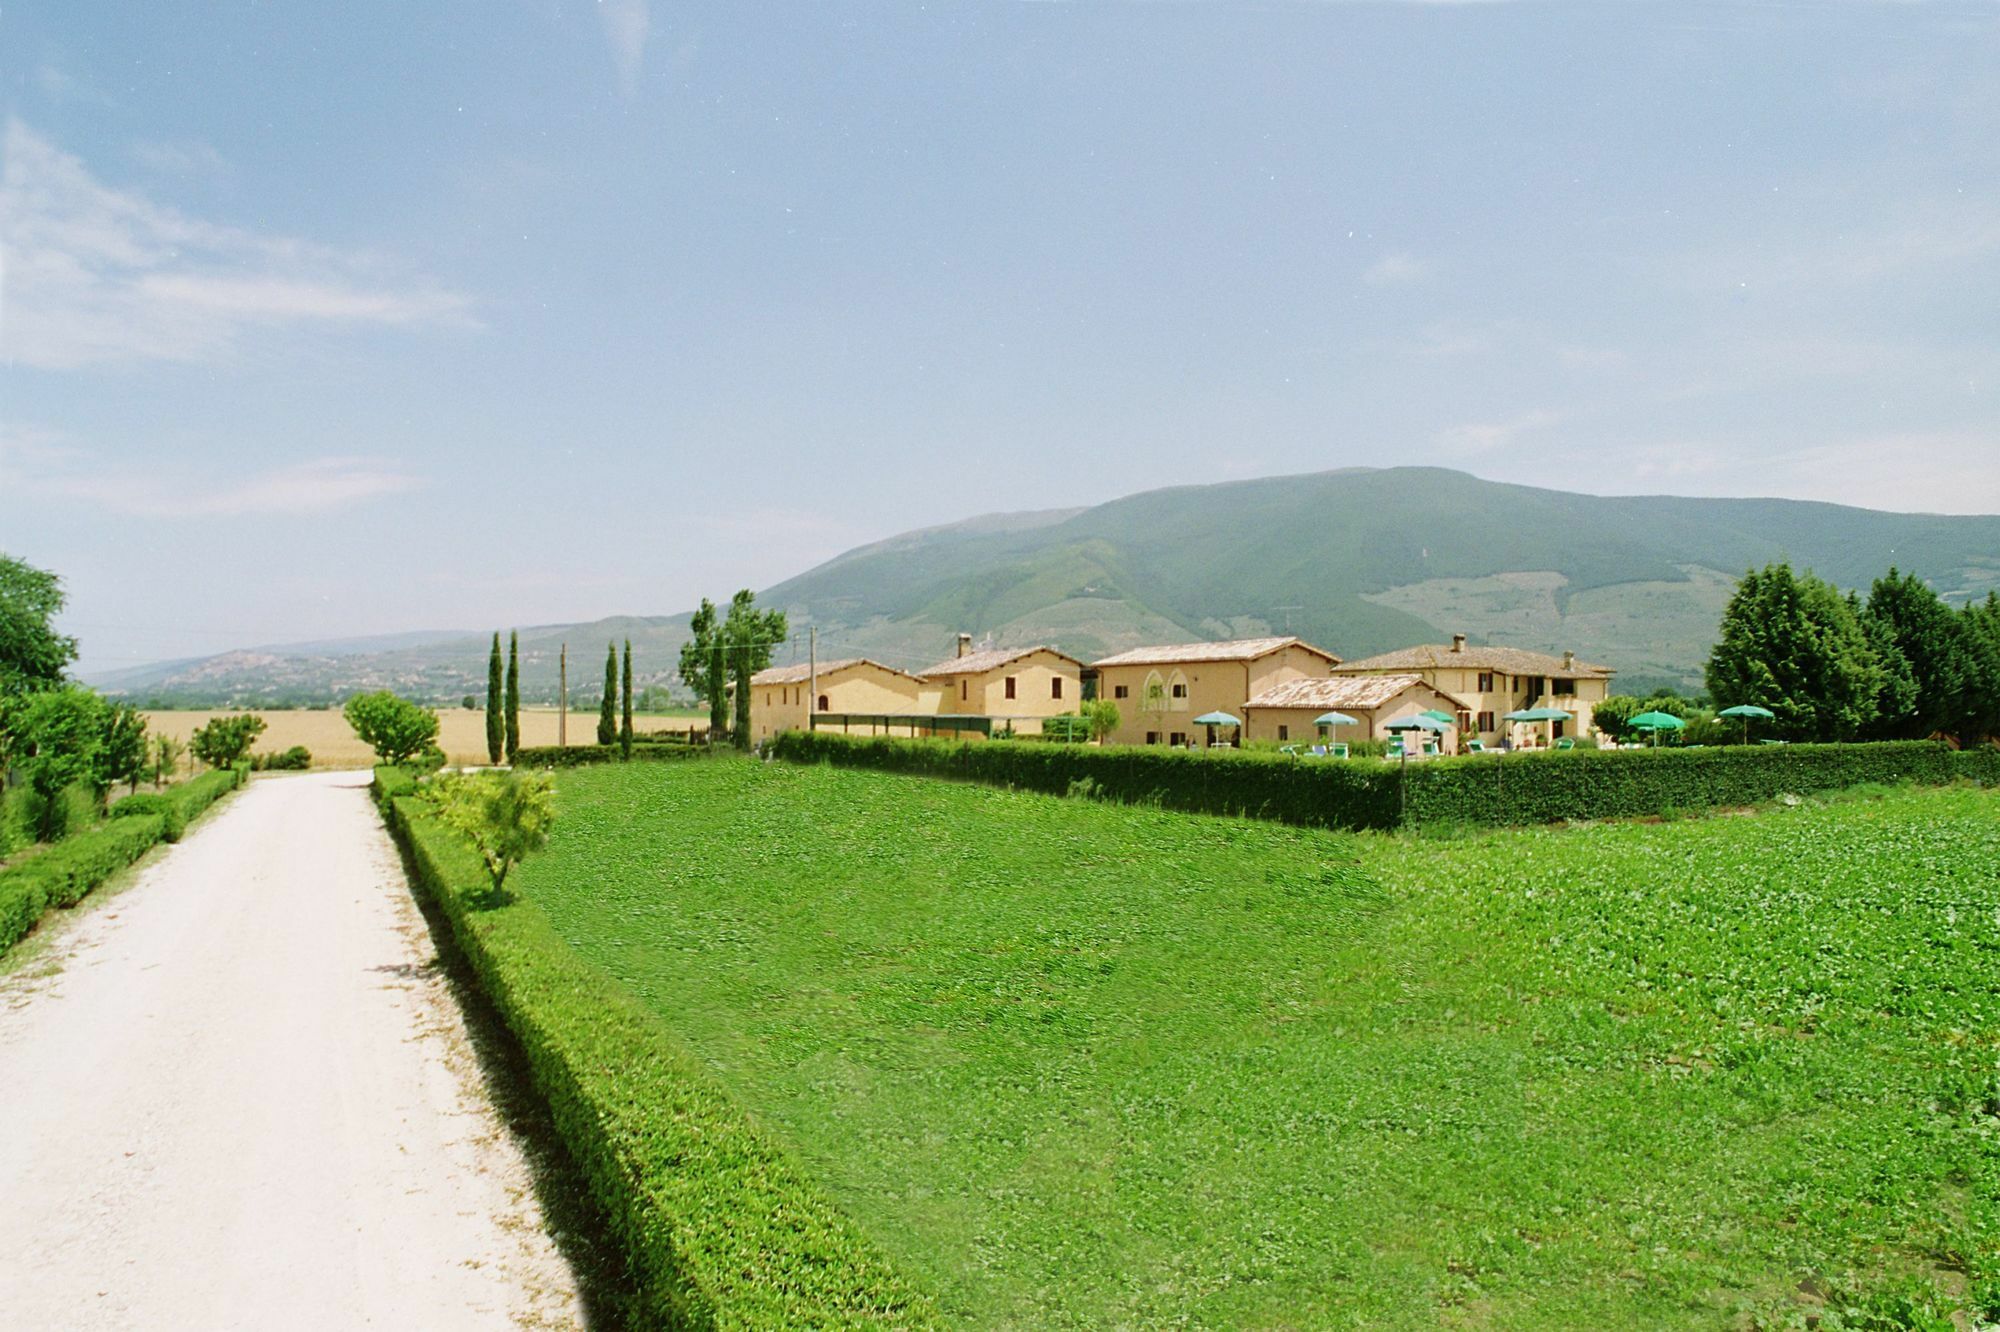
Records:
x=562, y=697
x=812, y=669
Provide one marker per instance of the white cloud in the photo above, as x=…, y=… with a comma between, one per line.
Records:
x=1396, y=270
x=626, y=23
x=1478, y=437
x=179, y=157
x=36, y=463
x=1898, y=472
x=94, y=275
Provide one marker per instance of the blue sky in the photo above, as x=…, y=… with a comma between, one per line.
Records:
x=321, y=320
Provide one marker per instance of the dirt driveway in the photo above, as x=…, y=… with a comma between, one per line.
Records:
x=238, y=1095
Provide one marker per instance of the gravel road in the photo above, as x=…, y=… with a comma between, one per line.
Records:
x=238, y=1095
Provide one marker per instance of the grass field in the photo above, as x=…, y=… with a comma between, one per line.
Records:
x=1080, y=1065
x=461, y=733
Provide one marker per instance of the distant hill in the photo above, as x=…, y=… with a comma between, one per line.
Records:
x=1358, y=561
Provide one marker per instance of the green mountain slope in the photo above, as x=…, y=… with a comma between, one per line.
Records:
x=1361, y=561
x=1358, y=561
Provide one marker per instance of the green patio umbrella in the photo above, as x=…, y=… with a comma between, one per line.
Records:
x=1335, y=719
x=1437, y=716
x=1537, y=715
x=1746, y=711
x=1656, y=722
x=1214, y=719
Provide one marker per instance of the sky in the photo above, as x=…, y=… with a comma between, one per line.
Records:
x=320, y=320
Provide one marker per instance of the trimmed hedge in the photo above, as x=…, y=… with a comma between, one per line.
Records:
x=1478, y=789
x=64, y=874
x=718, y=1226
x=578, y=756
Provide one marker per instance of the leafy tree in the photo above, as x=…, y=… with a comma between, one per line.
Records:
x=506, y=815
x=32, y=654
x=744, y=629
x=513, y=694
x=1614, y=714
x=496, y=719
x=695, y=666
x=225, y=740
x=1982, y=635
x=742, y=728
x=625, y=729
x=121, y=757
x=397, y=729
x=167, y=754
x=607, y=716
x=469, y=703
x=753, y=633
x=56, y=737
x=718, y=698
x=1939, y=649
x=1791, y=643
x=1102, y=714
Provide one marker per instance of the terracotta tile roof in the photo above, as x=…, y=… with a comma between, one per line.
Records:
x=978, y=663
x=1237, y=649
x=1340, y=693
x=777, y=675
x=1511, y=661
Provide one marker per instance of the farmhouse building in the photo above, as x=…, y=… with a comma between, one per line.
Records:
x=1161, y=690
x=1494, y=681
x=1016, y=687
x=1285, y=712
x=782, y=697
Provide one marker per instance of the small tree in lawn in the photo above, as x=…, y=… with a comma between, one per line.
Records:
x=742, y=730
x=1102, y=714
x=625, y=730
x=607, y=715
x=513, y=694
x=223, y=742
x=397, y=729
x=167, y=755
x=56, y=737
x=507, y=816
x=718, y=695
x=496, y=721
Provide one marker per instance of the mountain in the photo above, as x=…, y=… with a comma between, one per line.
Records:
x=1358, y=561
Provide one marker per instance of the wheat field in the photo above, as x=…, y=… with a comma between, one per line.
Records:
x=461, y=733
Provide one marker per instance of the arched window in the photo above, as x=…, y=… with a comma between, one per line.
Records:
x=822, y=704
x=1153, y=694
x=1177, y=692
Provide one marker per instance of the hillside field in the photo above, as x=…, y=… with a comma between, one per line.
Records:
x=461, y=733
x=1083, y=1065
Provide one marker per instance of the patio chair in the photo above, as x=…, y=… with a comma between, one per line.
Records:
x=1475, y=746
x=1318, y=751
x=1567, y=742
x=1339, y=749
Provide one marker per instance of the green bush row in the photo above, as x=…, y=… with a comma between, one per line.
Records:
x=1478, y=789
x=719, y=1228
x=577, y=756
x=65, y=873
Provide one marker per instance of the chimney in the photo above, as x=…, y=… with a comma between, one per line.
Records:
x=1569, y=661
x=1458, y=642
x=965, y=645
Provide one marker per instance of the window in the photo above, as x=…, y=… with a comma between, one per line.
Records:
x=1180, y=689
x=1152, y=737
x=1486, y=682
x=1284, y=731
x=1177, y=739
x=1485, y=721
x=1055, y=686
x=1120, y=691
x=822, y=703
x=1010, y=686
x=1177, y=692
x=1563, y=688
x=1464, y=722
x=961, y=691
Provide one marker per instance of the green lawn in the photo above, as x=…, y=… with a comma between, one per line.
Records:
x=1081, y=1065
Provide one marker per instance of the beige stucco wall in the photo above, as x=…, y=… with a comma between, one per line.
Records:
x=1212, y=686
x=1263, y=723
x=1035, y=697
x=865, y=689
x=1509, y=694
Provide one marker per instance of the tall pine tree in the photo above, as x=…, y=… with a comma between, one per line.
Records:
x=496, y=735
x=607, y=714
x=718, y=698
x=625, y=731
x=743, y=660
x=513, y=694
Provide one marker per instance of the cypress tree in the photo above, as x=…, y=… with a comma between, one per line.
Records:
x=718, y=696
x=495, y=722
x=607, y=717
x=513, y=694
x=625, y=732
x=743, y=696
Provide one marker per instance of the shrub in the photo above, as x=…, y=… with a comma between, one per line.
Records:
x=1490, y=789
x=76, y=809
x=719, y=1228
x=505, y=817
x=397, y=729
x=577, y=756
x=296, y=759
x=225, y=740
x=1067, y=729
